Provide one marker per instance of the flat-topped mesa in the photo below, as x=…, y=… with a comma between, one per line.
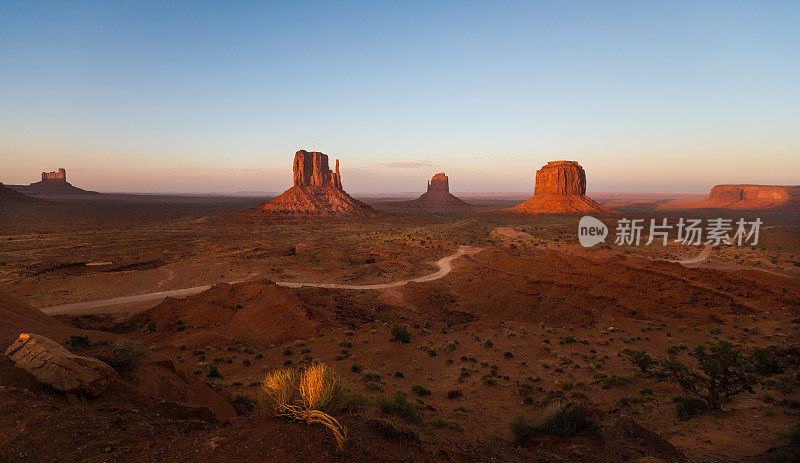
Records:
x=58, y=176
x=439, y=182
x=561, y=177
x=52, y=184
x=316, y=190
x=560, y=189
x=751, y=197
x=311, y=169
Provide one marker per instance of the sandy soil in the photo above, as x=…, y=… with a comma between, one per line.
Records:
x=525, y=316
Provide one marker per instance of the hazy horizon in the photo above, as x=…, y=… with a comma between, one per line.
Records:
x=199, y=98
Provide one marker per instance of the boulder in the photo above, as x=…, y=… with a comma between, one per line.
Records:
x=317, y=190
x=52, y=364
x=560, y=188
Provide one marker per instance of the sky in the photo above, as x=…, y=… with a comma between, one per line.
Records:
x=200, y=97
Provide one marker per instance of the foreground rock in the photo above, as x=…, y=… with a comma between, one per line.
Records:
x=53, y=184
x=317, y=190
x=560, y=189
x=438, y=196
x=52, y=364
x=751, y=197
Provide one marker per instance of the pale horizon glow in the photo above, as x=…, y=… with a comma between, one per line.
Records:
x=199, y=97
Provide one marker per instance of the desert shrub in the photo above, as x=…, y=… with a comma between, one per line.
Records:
x=557, y=420
x=303, y=397
x=438, y=422
x=320, y=388
x=400, y=334
x=617, y=380
x=213, y=372
x=126, y=355
x=420, y=390
x=287, y=351
x=399, y=405
x=354, y=401
x=280, y=388
x=641, y=359
x=370, y=375
x=508, y=355
x=724, y=372
x=765, y=363
x=689, y=407
x=375, y=386
x=79, y=341
x=245, y=401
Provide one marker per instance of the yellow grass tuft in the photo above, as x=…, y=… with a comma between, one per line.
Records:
x=320, y=388
x=303, y=397
x=280, y=388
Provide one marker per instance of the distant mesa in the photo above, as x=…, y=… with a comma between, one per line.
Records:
x=560, y=189
x=7, y=195
x=751, y=197
x=52, y=184
x=438, y=196
x=317, y=190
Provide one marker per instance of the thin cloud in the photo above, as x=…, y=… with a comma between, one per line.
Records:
x=404, y=164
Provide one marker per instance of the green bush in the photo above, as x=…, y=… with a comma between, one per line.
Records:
x=724, y=372
x=689, y=407
x=399, y=405
x=556, y=420
x=126, y=355
x=400, y=334
x=245, y=401
x=641, y=359
x=78, y=341
x=765, y=363
x=420, y=390
x=354, y=401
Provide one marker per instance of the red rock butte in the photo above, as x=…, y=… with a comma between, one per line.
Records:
x=751, y=197
x=52, y=184
x=438, y=196
x=560, y=189
x=316, y=190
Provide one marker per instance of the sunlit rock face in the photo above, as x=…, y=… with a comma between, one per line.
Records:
x=560, y=188
x=316, y=190
x=752, y=197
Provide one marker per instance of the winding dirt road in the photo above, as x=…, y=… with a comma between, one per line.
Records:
x=117, y=303
x=699, y=258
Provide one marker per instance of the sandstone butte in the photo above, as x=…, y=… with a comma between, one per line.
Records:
x=560, y=189
x=316, y=190
x=751, y=197
x=53, y=183
x=438, y=196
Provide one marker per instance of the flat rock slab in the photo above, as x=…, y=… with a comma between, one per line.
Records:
x=52, y=364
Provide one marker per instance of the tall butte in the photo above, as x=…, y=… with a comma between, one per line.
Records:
x=316, y=190
x=438, y=196
x=52, y=184
x=560, y=189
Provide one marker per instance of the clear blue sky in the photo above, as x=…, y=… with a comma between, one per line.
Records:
x=197, y=97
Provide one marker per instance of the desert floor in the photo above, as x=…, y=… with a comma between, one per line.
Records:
x=519, y=317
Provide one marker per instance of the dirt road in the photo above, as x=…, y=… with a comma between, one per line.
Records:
x=125, y=303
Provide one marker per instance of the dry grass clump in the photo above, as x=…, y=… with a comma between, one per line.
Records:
x=303, y=396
